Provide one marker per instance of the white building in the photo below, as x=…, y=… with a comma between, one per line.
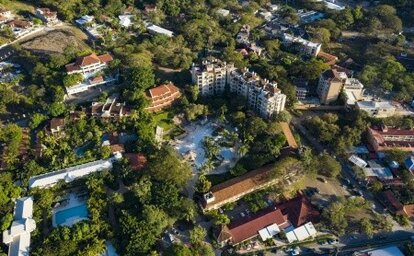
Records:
x=307, y=47
x=125, y=20
x=262, y=95
x=154, y=29
x=223, y=12
x=18, y=237
x=84, y=20
x=211, y=76
x=301, y=233
x=354, y=91
x=378, y=109
x=357, y=161
x=69, y=174
x=90, y=83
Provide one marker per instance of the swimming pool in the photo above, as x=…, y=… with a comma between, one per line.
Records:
x=70, y=216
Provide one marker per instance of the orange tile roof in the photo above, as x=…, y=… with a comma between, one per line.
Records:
x=117, y=148
x=88, y=60
x=98, y=79
x=162, y=96
x=56, y=122
x=289, y=135
x=136, y=161
x=239, y=185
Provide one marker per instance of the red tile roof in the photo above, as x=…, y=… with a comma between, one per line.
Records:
x=96, y=80
x=299, y=211
x=248, y=227
x=136, y=161
x=56, y=122
x=391, y=202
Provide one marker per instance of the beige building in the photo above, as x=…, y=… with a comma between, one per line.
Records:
x=262, y=95
x=330, y=85
x=211, y=76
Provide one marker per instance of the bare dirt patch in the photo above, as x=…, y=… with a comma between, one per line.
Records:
x=56, y=41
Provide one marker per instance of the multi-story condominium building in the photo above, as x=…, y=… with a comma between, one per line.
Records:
x=89, y=64
x=162, y=96
x=262, y=96
x=306, y=47
x=211, y=76
x=384, y=138
x=330, y=85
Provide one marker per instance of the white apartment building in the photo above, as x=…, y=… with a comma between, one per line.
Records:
x=262, y=95
x=307, y=47
x=211, y=76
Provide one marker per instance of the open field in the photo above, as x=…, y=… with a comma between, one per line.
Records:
x=56, y=41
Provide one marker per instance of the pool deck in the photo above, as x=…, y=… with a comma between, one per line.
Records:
x=73, y=202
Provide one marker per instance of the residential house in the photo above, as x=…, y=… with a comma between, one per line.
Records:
x=262, y=95
x=5, y=15
x=162, y=96
x=310, y=16
x=18, y=237
x=243, y=35
x=71, y=173
x=378, y=109
x=385, y=138
x=374, y=170
x=268, y=222
x=84, y=20
x=47, y=15
x=136, y=161
x=149, y=8
x=235, y=188
x=329, y=59
x=361, y=163
x=20, y=27
x=210, y=76
x=223, y=12
x=89, y=64
x=111, y=108
x=306, y=47
x=126, y=20
x=56, y=124
x=393, y=204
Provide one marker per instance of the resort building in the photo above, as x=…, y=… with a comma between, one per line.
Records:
x=378, y=109
x=18, y=237
x=89, y=64
x=262, y=96
x=162, y=96
x=69, y=174
x=306, y=47
x=46, y=15
x=384, y=138
x=294, y=213
x=210, y=76
x=234, y=189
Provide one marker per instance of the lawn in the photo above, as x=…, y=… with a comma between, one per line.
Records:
x=17, y=6
x=164, y=120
